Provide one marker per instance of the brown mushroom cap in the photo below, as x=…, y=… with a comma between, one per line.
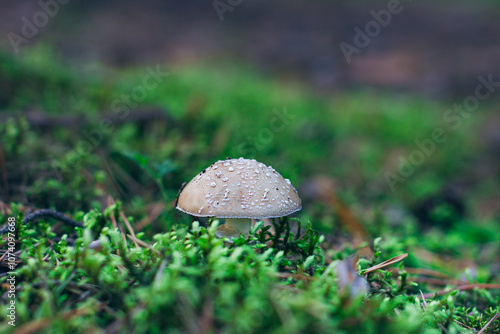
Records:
x=239, y=188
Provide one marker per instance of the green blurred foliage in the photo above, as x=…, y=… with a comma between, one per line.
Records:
x=190, y=278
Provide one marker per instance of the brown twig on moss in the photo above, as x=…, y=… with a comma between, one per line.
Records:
x=495, y=317
x=130, y=229
x=44, y=213
x=143, y=244
x=385, y=263
x=463, y=288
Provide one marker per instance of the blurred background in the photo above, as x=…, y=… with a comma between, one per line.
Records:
x=371, y=108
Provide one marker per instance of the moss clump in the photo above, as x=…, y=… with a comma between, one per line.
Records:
x=189, y=280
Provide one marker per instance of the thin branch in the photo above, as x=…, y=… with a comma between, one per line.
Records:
x=385, y=263
x=130, y=229
x=495, y=317
x=115, y=225
x=463, y=288
x=35, y=216
x=143, y=244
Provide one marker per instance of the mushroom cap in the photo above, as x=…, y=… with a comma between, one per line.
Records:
x=239, y=188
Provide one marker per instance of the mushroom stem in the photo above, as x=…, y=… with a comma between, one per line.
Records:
x=234, y=227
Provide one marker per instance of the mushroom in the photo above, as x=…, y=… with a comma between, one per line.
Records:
x=238, y=190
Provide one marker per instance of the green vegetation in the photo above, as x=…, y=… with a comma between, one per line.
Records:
x=71, y=142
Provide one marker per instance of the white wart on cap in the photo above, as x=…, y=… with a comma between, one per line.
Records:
x=239, y=188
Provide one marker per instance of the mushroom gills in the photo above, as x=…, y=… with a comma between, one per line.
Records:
x=234, y=227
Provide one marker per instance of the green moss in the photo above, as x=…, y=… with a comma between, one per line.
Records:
x=276, y=282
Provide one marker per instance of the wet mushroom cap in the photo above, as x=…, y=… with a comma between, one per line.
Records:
x=239, y=188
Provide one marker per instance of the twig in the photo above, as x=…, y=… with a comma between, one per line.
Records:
x=495, y=317
x=3, y=256
x=427, y=272
x=437, y=281
x=385, y=263
x=130, y=229
x=436, y=277
x=464, y=325
x=115, y=225
x=112, y=217
x=143, y=244
x=463, y=288
x=33, y=217
x=424, y=302
x=124, y=238
x=52, y=214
